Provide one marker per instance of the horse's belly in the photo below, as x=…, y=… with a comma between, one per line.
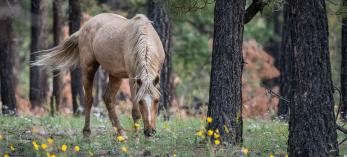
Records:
x=118, y=73
x=115, y=69
x=110, y=58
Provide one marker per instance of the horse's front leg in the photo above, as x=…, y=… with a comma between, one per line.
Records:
x=136, y=114
x=110, y=101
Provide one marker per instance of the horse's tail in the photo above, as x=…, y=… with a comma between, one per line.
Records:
x=61, y=57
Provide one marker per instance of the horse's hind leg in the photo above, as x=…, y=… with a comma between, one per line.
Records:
x=88, y=72
x=110, y=101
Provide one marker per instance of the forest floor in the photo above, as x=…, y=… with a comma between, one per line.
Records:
x=178, y=137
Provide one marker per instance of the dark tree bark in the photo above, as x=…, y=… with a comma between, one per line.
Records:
x=225, y=101
x=57, y=14
x=162, y=24
x=39, y=31
x=7, y=62
x=312, y=127
x=344, y=66
x=76, y=82
x=285, y=66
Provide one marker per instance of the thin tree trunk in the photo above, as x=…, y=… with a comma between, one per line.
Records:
x=7, y=62
x=39, y=31
x=344, y=66
x=76, y=82
x=57, y=13
x=162, y=24
x=312, y=127
x=225, y=101
x=286, y=69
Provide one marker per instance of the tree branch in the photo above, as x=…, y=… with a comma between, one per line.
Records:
x=253, y=9
x=340, y=128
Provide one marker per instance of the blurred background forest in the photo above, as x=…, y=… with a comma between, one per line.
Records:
x=191, y=48
x=186, y=29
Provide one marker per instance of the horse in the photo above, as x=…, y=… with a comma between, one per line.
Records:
x=124, y=48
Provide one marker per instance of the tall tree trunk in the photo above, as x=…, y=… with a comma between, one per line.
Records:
x=7, y=61
x=312, y=127
x=39, y=31
x=162, y=24
x=286, y=69
x=57, y=13
x=225, y=101
x=344, y=66
x=76, y=82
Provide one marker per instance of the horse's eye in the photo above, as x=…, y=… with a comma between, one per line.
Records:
x=139, y=82
x=156, y=80
x=156, y=101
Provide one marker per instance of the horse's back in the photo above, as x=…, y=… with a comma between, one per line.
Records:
x=101, y=20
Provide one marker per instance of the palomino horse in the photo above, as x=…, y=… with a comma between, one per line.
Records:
x=125, y=48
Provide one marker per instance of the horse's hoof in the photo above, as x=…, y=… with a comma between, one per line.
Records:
x=123, y=134
x=86, y=132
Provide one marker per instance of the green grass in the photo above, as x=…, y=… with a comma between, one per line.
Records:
x=175, y=137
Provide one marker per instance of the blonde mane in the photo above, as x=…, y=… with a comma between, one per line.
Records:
x=146, y=64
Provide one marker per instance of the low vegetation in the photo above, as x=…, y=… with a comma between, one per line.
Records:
x=61, y=136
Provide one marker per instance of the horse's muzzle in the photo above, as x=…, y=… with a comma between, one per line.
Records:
x=149, y=132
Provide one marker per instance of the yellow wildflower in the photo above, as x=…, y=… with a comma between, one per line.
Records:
x=1, y=137
x=174, y=155
x=50, y=140
x=216, y=135
x=217, y=131
x=216, y=142
x=6, y=155
x=124, y=149
x=286, y=155
x=166, y=125
x=209, y=132
x=120, y=138
x=271, y=155
x=53, y=155
x=64, y=147
x=245, y=151
x=44, y=146
x=209, y=120
x=200, y=133
x=76, y=148
x=12, y=148
x=33, y=142
x=35, y=145
x=48, y=154
x=136, y=126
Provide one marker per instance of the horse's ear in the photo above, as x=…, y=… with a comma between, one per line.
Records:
x=139, y=82
x=156, y=80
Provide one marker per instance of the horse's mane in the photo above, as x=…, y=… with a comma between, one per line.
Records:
x=146, y=61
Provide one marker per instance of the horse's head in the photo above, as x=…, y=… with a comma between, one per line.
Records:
x=147, y=97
